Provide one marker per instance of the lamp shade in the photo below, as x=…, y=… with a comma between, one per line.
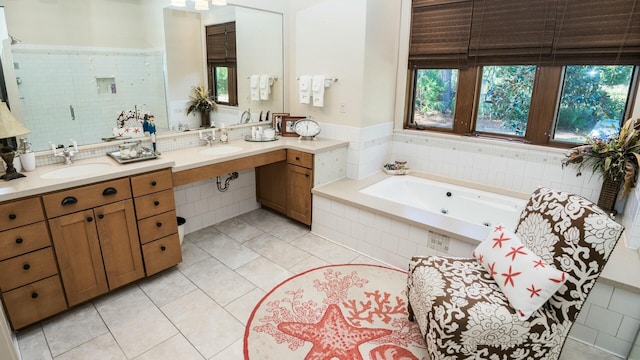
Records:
x=9, y=126
x=201, y=4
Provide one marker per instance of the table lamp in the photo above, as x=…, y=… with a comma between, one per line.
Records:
x=9, y=127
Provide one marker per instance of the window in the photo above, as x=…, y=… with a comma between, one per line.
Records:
x=223, y=80
x=222, y=62
x=549, y=72
x=593, y=102
x=435, y=98
x=505, y=98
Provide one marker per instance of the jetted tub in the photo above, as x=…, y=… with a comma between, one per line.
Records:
x=455, y=209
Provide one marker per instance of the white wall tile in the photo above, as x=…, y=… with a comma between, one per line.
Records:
x=604, y=320
x=601, y=295
x=628, y=329
x=625, y=302
x=612, y=344
x=583, y=333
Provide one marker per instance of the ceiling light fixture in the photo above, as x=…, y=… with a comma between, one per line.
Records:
x=179, y=3
x=202, y=5
x=219, y=2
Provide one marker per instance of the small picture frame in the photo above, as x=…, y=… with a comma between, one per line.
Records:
x=287, y=125
x=276, y=121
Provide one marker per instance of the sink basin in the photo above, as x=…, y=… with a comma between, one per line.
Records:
x=72, y=171
x=220, y=150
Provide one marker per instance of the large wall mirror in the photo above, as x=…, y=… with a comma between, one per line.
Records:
x=79, y=64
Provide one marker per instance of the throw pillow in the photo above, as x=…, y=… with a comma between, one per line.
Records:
x=525, y=279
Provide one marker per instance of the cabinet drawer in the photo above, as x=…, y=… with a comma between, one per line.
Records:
x=86, y=197
x=157, y=226
x=27, y=268
x=34, y=302
x=154, y=204
x=151, y=182
x=300, y=158
x=24, y=239
x=19, y=213
x=162, y=254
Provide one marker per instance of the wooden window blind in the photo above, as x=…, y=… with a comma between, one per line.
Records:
x=440, y=33
x=596, y=31
x=221, y=43
x=512, y=30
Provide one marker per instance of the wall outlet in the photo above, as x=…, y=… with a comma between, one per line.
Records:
x=343, y=108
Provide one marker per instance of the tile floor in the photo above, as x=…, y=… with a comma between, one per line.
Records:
x=199, y=309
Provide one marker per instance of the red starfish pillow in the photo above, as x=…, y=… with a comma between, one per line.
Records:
x=525, y=279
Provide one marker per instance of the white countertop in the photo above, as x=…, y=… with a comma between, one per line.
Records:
x=178, y=160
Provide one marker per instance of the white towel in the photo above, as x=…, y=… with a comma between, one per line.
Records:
x=265, y=89
x=317, y=89
x=304, y=89
x=254, y=88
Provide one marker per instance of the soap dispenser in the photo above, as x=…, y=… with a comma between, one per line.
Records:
x=27, y=156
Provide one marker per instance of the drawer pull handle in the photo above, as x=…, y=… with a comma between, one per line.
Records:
x=156, y=203
x=163, y=248
x=297, y=158
x=69, y=200
x=109, y=191
x=26, y=266
x=34, y=295
x=19, y=241
x=12, y=216
x=89, y=219
x=100, y=216
x=307, y=175
x=154, y=183
x=159, y=224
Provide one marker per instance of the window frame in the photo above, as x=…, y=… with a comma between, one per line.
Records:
x=232, y=79
x=545, y=100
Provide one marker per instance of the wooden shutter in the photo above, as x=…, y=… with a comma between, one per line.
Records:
x=597, y=31
x=440, y=33
x=221, y=43
x=512, y=31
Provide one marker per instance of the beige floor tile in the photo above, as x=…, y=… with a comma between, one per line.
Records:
x=136, y=323
x=288, y=230
x=202, y=234
x=73, y=328
x=277, y=250
x=325, y=249
x=309, y=263
x=218, y=281
x=191, y=254
x=103, y=347
x=238, y=229
x=204, y=323
x=228, y=251
x=242, y=307
x=32, y=343
x=235, y=351
x=166, y=286
x=176, y=348
x=264, y=273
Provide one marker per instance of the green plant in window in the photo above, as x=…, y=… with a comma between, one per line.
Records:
x=616, y=159
x=509, y=94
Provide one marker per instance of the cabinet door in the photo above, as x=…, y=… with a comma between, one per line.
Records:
x=300, y=182
x=118, y=234
x=271, y=186
x=75, y=239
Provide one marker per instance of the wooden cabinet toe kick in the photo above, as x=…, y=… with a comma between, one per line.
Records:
x=225, y=167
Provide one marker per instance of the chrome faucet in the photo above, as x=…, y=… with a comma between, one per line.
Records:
x=245, y=117
x=209, y=139
x=68, y=152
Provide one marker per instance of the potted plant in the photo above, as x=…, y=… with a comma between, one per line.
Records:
x=616, y=159
x=202, y=102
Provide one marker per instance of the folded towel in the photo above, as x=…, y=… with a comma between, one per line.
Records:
x=254, y=88
x=265, y=88
x=318, y=90
x=304, y=89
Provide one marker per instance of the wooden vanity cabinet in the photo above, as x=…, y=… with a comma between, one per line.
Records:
x=95, y=237
x=29, y=279
x=286, y=186
x=157, y=224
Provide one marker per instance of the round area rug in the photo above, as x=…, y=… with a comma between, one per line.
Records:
x=344, y=312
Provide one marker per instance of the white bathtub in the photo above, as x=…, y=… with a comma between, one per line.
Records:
x=454, y=209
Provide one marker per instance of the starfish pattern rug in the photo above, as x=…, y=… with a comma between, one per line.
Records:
x=345, y=312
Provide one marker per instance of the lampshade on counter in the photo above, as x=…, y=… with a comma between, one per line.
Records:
x=9, y=127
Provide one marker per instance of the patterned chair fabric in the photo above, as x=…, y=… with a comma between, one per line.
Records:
x=461, y=311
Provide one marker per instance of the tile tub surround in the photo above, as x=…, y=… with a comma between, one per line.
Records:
x=393, y=234
x=182, y=301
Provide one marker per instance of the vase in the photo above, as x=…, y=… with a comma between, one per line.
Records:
x=205, y=119
x=609, y=194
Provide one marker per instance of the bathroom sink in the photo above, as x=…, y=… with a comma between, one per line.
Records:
x=78, y=170
x=220, y=150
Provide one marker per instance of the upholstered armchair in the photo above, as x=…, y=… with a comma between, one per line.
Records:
x=463, y=313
